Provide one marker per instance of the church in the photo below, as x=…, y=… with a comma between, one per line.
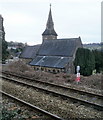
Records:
x=53, y=55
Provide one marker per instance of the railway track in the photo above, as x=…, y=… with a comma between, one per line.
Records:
x=52, y=116
x=81, y=99
x=53, y=85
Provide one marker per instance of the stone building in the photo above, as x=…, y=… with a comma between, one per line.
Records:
x=53, y=55
x=29, y=53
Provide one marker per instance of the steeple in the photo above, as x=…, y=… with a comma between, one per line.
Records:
x=49, y=32
x=50, y=24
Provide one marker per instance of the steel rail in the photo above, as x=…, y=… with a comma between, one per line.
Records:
x=55, y=85
x=95, y=105
x=53, y=116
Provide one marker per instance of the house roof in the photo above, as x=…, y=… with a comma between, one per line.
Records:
x=50, y=61
x=59, y=47
x=29, y=52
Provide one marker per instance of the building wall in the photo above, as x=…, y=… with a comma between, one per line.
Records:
x=70, y=68
x=49, y=37
x=47, y=69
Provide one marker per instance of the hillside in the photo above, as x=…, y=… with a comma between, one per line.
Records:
x=93, y=46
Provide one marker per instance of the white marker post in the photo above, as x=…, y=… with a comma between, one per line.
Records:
x=78, y=74
x=78, y=69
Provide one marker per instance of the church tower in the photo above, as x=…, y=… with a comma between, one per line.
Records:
x=49, y=32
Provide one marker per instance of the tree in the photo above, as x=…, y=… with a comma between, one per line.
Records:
x=86, y=60
x=98, y=60
x=5, y=53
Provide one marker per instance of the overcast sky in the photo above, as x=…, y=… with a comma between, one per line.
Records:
x=25, y=20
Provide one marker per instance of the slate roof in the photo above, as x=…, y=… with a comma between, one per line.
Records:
x=59, y=47
x=52, y=53
x=49, y=32
x=50, y=61
x=56, y=53
x=29, y=52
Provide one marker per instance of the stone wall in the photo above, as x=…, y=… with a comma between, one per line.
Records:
x=49, y=37
x=47, y=69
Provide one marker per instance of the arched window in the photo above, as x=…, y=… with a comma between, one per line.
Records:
x=37, y=68
x=54, y=71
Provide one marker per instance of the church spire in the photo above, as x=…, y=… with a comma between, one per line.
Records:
x=50, y=24
x=49, y=32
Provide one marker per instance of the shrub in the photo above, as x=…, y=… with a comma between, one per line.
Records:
x=86, y=60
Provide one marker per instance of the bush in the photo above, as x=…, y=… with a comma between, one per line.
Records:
x=9, y=114
x=98, y=61
x=86, y=60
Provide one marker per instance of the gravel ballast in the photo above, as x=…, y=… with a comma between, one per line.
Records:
x=62, y=108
